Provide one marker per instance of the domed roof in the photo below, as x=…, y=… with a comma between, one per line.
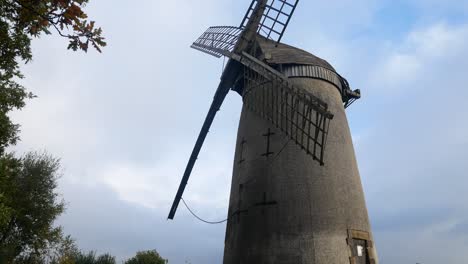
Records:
x=279, y=53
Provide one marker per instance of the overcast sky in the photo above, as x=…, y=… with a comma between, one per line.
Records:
x=124, y=122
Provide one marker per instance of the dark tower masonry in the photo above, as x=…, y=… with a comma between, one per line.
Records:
x=296, y=194
x=319, y=214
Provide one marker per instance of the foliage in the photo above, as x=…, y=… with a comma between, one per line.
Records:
x=66, y=252
x=90, y=258
x=20, y=20
x=147, y=257
x=105, y=259
x=12, y=96
x=5, y=212
x=61, y=252
x=29, y=203
x=29, y=196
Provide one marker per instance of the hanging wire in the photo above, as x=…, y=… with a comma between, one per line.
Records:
x=199, y=218
x=281, y=150
x=225, y=220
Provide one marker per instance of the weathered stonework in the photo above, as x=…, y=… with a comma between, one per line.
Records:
x=287, y=209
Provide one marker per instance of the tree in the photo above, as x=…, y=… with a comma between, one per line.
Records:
x=90, y=258
x=105, y=259
x=29, y=195
x=20, y=20
x=60, y=252
x=28, y=202
x=65, y=251
x=147, y=257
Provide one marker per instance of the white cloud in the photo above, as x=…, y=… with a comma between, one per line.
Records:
x=413, y=159
x=155, y=187
x=135, y=184
x=419, y=53
x=432, y=7
x=398, y=69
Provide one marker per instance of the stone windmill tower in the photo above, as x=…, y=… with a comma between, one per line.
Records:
x=296, y=195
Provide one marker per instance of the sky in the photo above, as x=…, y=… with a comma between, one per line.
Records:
x=124, y=122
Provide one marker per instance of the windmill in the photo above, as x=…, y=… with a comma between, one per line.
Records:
x=296, y=194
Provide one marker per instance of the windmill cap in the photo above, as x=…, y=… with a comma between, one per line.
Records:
x=280, y=53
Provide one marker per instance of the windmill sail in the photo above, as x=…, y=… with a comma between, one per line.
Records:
x=275, y=18
x=215, y=105
x=304, y=118
x=221, y=40
x=218, y=41
x=294, y=112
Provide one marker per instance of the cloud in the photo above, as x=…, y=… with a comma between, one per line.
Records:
x=413, y=156
x=421, y=51
x=98, y=220
x=447, y=7
x=155, y=187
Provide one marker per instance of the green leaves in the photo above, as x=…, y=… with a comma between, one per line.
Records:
x=90, y=258
x=29, y=198
x=29, y=203
x=147, y=257
x=33, y=17
x=5, y=212
x=88, y=34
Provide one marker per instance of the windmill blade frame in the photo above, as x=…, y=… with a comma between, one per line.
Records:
x=304, y=118
x=218, y=40
x=271, y=74
x=274, y=20
x=221, y=40
x=294, y=112
x=218, y=99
